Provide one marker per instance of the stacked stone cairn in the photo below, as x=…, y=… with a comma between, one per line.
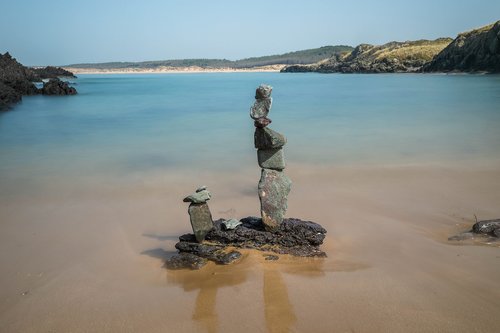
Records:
x=274, y=186
x=215, y=240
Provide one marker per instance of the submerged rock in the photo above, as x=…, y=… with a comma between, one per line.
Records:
x=273, y=190
x=201, y=220
x=185, y=260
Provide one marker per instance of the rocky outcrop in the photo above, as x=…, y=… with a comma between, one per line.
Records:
x=17, y=80
x=474, y=51
x=393, y=57
x=51, y=72
x=57, y=87
x=293, y=236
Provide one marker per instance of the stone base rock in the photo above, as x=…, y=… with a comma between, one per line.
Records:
x=201, y=220
x=273, y=189
x=293, y=236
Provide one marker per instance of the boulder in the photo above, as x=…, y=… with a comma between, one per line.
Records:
x=486, y=227
x=57, y=87
x=8, y=96
x=274, y=187
x=271, y=158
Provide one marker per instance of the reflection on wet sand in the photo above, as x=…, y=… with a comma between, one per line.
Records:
x=278, y=308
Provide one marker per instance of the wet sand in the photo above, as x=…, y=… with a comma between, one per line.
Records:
x=88, y=256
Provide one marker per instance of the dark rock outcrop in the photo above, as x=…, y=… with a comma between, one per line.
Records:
x=17, y=80
x=487, y=230
x=51, y=72
x=474, y=51
x=293, y=236
x=393, y=57
x=57, y=87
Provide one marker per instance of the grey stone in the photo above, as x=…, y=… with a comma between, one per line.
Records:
x=201, y=220
x=271, y=158
x=266, y=138
x=462, y=236
x=200, y=196
x=486, y=226
x=260, y=108
x=273, y=189
x=201, y=188
x=231, y=224
x=263, y=91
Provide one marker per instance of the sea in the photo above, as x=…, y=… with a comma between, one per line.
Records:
x=391, y=165
x=120, y=125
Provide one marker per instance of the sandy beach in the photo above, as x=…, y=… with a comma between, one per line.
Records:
x=88, y=256
x=175, y=70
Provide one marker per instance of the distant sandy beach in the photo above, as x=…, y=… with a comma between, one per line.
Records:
x=174, y=70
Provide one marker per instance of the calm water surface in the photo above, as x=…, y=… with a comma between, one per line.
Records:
x=119, y=125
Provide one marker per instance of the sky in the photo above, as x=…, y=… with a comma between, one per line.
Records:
x=57, y=32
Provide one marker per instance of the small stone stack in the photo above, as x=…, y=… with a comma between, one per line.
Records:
x=199, y=213
x=274, y=185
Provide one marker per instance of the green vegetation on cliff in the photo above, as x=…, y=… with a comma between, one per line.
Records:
x=392, y=57
x=299, y=57
x=472, y=51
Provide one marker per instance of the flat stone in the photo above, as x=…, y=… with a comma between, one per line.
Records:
x=271, y=257
x=201, y=220
x=271, y=158
x=231, y=224
x=200, y=196
x=262, y=122
x=274, y=187
x=185, y=260
x=201, y=188
x=260, y=108
x=266, y=138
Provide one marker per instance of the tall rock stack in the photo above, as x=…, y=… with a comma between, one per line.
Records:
x=274, y=185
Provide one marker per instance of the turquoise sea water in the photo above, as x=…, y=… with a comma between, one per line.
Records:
x=123, y=124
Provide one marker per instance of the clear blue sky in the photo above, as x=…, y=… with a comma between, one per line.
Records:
x=61, y=32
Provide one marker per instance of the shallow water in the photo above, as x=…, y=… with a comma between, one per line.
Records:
x=391, y=165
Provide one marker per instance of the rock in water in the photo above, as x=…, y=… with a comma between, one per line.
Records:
x=266, y=138
x=273, y=188
x=271, y=158
x=201, y=220
x=486, y=227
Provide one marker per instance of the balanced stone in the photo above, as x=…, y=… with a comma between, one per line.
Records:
x=263, y=102
x=201, y=220
x=266, y=138
x=260, y=108
x=273, y=189
x=271, y=158
x=262, y=122
x=201, y=195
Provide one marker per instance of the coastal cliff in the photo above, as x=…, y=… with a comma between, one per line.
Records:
x=17, y=80
x=392, y=57
x=473, y=51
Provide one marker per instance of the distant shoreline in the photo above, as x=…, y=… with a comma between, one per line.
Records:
x=174, y=70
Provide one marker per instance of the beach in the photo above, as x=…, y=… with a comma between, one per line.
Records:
x=175, y=70
x=84, y=260
x=391, y=165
